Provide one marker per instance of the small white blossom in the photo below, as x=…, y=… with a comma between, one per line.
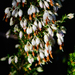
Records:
x=16, y=59
x=26, y=48
x=20, y=34
x=11, y=21
x=20, y=13
x=70, y=15
x=46, y=4
x=41, y=4
x=45, y=38
x=41, y=55
x=33, y=42
x=37, y=41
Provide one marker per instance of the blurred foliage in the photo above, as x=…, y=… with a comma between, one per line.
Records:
x=71, y=63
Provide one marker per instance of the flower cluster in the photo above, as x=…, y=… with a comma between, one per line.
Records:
x=35, y=25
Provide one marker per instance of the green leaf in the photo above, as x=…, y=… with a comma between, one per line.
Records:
x=39, y=69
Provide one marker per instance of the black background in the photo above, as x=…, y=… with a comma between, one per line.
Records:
x=58, y=68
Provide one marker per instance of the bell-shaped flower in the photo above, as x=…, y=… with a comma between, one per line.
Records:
x=26, y=48
x=18, y=1
x=59, y=41
x=46, y=38
x=37, y=41
x=46, y=4
x=35, y=23
x=20, y=34
x=41, y=55
x=23, y=2
x=14, y=3
x=16, y=59
x=50, y=31
x=34, y=28
x=20, y=13
x=54, y=27
x=40, y=25
x=11, y=21
x=33, y=42
x=41, y=4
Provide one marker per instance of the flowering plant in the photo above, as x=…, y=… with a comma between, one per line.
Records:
x=35, y=25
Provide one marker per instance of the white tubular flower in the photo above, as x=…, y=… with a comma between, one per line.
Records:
x=28, y=32
x=30, y=47
x=23, y=2
x=14, y=3
x=34, y=28
x=33, y=42
x=41, y=55
x=41, y=4
x=35, y=23
x=11, y=21
x=13, y=12
x=50, y=31
x=33, y=9
x=70, y=15
x=20, y=13
x=21, y=23
x=30, y=60
x=16, y=59
x=10, y=60
x=50, y=48
x=42, y=44
x=46, y=53
x=46, y=4
x=29, y=11
x=59, y=41
x=40, y=25
x=37, y=41
x=46, y=38
x=8, y=34
x=54, y=27
x=46, y=47
x=20, y=34
x=37, y=10
x=26, y=48
x=7, y=10
x=25, y=22
x=18, y=1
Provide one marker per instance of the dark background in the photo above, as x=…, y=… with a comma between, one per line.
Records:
x=7, y=46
